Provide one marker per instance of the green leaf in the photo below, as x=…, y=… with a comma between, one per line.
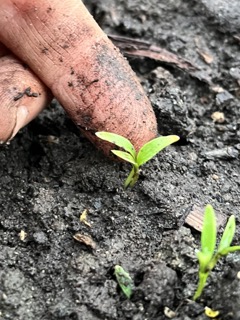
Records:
x=228, y=234
x=124, y=280
x=151, y=148
x=204, y=259
x=124, y=155
x=227, y=250
x=209, y=231
x=118, y=141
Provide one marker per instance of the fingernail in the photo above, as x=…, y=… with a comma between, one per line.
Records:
x=21, y=119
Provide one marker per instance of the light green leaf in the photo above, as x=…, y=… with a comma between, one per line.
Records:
x=124, y=155
x=228, y=234
x=124, y=280
x=209, y=231
x=118, y=141
x=227, y=250
x=204, y=259
x=151, y=148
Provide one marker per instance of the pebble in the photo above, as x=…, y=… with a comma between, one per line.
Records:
x=40, y=237
x=226, y=13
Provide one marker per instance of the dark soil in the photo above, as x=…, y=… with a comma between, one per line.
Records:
x=50, y=174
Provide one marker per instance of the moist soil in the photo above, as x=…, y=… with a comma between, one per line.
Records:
x=50, y=174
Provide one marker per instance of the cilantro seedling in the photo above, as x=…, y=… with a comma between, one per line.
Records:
x=146, y=153
x=124, y=280
x=208, y=256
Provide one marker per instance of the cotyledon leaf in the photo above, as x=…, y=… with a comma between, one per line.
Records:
x=124, y=155
x=118, y=141
x=151, y=148
x=209, y=231
x=124, y=280
x=228, y=234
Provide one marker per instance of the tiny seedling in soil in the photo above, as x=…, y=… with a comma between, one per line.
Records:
x=146, y=153
x=124, y=280
x=208, y=256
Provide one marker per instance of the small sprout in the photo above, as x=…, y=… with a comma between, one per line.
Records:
x=146, y=153
x=124, y=280
x=208, y=257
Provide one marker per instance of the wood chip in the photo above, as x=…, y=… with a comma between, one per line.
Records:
x=87, y=240
x=195, y=218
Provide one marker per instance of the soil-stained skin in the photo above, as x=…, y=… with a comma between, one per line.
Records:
x=22, y=96
x=81, y=66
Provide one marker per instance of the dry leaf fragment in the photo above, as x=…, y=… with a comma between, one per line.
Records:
x=139, y=48
x=206, y=57
x=87, y=240
x=83, y=218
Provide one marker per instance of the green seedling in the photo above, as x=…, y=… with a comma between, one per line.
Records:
x=124, y=280
x=208, y=256
x=146, y=153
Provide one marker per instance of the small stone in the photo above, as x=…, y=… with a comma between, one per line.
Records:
x=169, y=313
x=40, y=237
x=223, y=98
x=22, y=235
x=223, y=153
x=218, y=117
x=235, y=73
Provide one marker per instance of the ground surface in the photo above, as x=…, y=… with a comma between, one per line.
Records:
x=50, y=174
